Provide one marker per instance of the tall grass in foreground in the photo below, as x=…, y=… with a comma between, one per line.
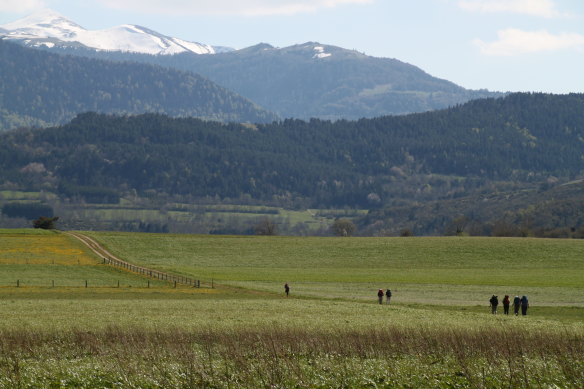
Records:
x=391, y=357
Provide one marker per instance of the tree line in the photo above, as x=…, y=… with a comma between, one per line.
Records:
x=391, y=165
x=524, y=137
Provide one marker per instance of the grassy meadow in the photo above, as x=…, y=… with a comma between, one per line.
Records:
x=432, y=271
x=39, y=258
x=243, y=332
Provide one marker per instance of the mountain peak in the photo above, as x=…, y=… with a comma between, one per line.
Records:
x=49, y=28
x=42, y=17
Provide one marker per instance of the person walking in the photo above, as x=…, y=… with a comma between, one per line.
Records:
x=524, y=305
x=494, y=301
x=287, y=289
x=516, y=305
x=387, y=296
x=380, y=296
x=506, y=303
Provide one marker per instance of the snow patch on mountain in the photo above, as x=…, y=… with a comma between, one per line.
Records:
x=320, y=53
x=50, y=28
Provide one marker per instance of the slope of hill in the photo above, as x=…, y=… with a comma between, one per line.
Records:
x=368, y=163
x=40, y=87
x=315, y=80
x=550, y=209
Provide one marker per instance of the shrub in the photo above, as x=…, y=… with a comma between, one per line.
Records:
x=45, y=223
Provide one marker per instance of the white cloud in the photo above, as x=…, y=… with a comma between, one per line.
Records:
x=228, y=7
x=515, y=42
x=21, y=5
x=543, y=8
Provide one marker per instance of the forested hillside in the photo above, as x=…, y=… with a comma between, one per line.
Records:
x=39, y=88
x=315, y=80
x=523, y=138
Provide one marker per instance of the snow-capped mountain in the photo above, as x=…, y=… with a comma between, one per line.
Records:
x=49, y=28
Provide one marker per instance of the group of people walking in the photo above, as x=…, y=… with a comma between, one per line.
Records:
x=387, y=295
x=518, y=303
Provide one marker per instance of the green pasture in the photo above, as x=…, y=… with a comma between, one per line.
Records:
x=330, y=332
x=39, y=258
x=210, y=216
x=231, y=310
x=432, y=271
x=20, y=196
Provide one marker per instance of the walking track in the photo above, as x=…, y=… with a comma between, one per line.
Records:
x=110, y=259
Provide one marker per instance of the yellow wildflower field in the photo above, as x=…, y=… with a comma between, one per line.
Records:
x=43, y=249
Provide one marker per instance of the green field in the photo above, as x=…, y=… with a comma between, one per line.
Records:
x=330, y=333
x=445, y=270
x=37, y=258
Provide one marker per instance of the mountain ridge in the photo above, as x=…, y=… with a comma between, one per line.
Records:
x=49, y=28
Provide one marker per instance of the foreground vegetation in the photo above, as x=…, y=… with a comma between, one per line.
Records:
x=384, y=358
x=245, y=333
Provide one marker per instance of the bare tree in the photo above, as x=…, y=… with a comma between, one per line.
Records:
x=266, y=226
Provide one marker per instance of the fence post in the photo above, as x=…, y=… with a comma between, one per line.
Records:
x=18, y=283
x=118, y=283
x=175, y=284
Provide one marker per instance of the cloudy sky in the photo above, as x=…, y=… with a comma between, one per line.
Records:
x=504, y=45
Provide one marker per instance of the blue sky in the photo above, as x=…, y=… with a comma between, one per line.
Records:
x=504, y=45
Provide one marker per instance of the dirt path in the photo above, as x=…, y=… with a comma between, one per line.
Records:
x=110, y=259
x=93, y=245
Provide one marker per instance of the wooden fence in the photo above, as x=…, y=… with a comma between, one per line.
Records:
x=83, y=283
x=153, y=273
x=109, y=259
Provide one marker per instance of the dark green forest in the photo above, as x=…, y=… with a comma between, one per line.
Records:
x=38, y=88
x=420, y=171
x=295, y=83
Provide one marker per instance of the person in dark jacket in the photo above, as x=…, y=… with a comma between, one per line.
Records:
x=506, y=303
x=524, y=305
x=516, y=305
x=380, y=296
x=387, y=296
x=494, y=301
x=286, y=289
